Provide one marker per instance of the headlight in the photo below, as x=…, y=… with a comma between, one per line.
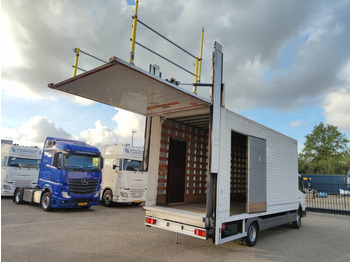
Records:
x=123, y=194
x=97, y=193
x=65, y=194
x=6, y=187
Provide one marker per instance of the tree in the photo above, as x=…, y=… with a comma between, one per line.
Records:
x=325, y=151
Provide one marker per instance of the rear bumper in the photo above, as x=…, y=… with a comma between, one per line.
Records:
x=176, y=227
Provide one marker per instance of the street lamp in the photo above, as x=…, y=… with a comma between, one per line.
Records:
x=132, y=138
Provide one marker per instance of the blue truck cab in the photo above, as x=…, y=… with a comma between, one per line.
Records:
x=69, y=176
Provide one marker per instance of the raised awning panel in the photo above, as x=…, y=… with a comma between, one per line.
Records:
x=125, y=86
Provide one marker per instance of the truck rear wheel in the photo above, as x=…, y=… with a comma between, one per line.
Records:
x=107, y=198
x=46, y=201
x=252, y=235
x=17, y=197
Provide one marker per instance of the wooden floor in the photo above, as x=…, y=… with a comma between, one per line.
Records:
x=197, y=207
x=235, y=208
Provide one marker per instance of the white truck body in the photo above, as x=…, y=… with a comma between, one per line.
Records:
x=123, y=180
x=19, y=167
x=211, y=172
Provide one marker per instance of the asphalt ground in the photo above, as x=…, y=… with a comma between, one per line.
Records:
x=119, y=234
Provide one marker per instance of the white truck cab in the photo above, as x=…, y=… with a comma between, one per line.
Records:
x=19, y=167
x=123, y=180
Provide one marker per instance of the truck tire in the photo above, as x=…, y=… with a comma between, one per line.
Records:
x=46, y=202
x=252, y=235
x=297, y=223
x=107, y=198
x=17, y=197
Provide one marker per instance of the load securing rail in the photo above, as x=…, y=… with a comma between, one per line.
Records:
x=198, y=60
x=77, y=52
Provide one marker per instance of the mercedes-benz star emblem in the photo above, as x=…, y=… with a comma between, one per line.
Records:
x=85, y=181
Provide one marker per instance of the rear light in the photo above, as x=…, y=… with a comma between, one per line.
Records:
x=200, y=232
x=151, y=221
x=223, y=226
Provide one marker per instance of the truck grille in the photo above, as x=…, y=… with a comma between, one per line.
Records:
x=137, y=193
x=82, y=187
x=23, y=184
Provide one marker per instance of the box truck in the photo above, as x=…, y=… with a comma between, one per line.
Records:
x=123, y=180
x=327, y=184
x=19, y=167
x=69, y=176
x=211, y=172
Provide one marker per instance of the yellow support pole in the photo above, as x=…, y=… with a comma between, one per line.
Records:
x=76, y=61
x=195, y=75
x=200, y=56
x=133, y=34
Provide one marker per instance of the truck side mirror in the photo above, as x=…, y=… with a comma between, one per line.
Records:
x=117, y=164
x=56, y=162
x=309, y=185
x=3, y=161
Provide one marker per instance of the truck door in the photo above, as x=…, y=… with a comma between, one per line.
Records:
x=177, y=171
x=257, y=175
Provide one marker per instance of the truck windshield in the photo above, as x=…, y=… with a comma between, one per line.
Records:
x=133, y=165
x=82, y=162
x=23, y=162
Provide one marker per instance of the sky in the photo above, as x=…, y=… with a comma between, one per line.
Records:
x=286, y=63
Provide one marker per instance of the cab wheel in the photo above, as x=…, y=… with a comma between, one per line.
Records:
x=297, y=223
x=107, y=198
x=46, y=202
x=17, y=197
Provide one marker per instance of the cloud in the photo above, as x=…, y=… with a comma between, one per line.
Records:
x=337, y=109
x=18, y=89
x=312, y=73
x=296, y=123
x=43, y=34
x=99, y=136
x=34, y=132
x=128, y=122
x=337, y=105
x=255, y=36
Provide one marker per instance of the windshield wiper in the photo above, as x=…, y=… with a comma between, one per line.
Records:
x=76, y=168
x=93, y=168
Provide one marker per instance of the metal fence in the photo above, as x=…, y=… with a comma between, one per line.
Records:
x=328, y=198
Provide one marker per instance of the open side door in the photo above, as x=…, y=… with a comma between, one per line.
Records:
x=123, y=85
x=257, y=175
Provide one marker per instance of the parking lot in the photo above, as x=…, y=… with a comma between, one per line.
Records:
x=118, y=234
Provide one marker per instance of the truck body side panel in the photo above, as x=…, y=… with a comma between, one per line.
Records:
x=281, y=164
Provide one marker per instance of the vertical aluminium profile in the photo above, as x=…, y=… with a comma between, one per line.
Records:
x=200, y=56
x=133, y=34
x=198, y=66
x=77, y=50
x=195, y=75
